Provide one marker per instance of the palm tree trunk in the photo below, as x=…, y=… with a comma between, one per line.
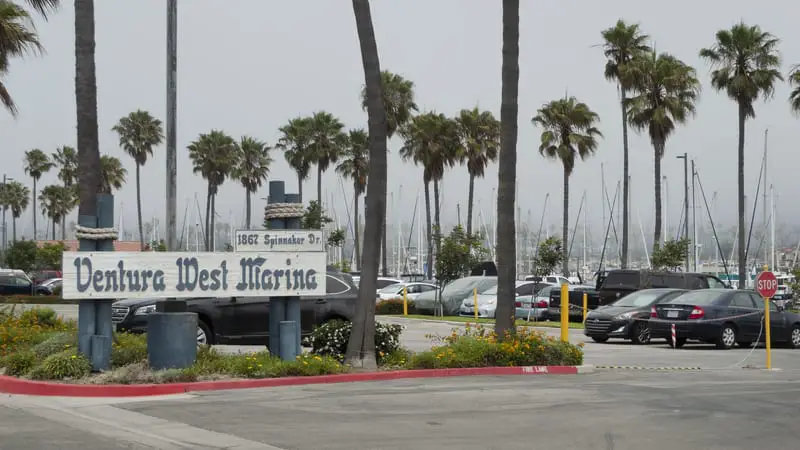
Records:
x=139, y=207
x=429, y=238
x=89, y=177
x=300, y=186
x=384, y=251
x=361, y=348
x=319, y=187
x=206, y=239
x=54, y=229
x=14, y=230
x=33, y=207
x=247, y=210
x=437, y=224
x=657, y=172
x=565, y=226
x=356, y=233
x=470, y=199
x=507, y=171
x=625, y=187
x=213, y=232
x=64, y=229
x=742, y=250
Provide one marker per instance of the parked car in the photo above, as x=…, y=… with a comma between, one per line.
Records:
x=244, y=320
x=627, y=318
x=453, y=295
x=551, y=279
x=48, y=287
x=783, y=296
x=722, y=317
x=575, y=302
x=487, y=300
x=535, y=306
x=382, y=282
x=40, y=276
x=413, y=290
x=616, y=284
x=16, y=282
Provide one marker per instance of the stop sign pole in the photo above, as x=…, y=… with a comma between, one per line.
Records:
x=767, y=286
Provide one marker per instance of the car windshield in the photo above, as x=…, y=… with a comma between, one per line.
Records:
x=640, y=298
x=698, y=297
x=392, y=288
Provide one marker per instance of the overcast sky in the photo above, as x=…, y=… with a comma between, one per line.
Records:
x=249, y=68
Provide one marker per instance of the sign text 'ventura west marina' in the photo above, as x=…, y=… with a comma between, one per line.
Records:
x=192, y=274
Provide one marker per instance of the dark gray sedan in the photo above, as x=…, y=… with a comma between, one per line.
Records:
x=627, y=318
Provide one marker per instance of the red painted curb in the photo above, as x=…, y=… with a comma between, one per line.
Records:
x=13, y=385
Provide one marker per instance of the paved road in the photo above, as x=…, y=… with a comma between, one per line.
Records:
x=716, y=410
x=417, y=332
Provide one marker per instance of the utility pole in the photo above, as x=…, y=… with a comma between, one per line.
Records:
x=685, y=158
x=172, y=107
x=694, y=220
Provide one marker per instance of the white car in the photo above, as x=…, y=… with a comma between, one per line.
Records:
x=487, y=300
x=413, y=290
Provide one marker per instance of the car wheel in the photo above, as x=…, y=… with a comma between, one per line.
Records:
x=204, y=335
x=640, y=333
x=600, y=339
x=794, y=337
x=727, y=337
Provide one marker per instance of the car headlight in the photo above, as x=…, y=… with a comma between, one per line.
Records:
x=624, y=316
x=144, y=310
x=492, y=301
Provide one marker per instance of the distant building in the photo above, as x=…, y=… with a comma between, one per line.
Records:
x=119, y=246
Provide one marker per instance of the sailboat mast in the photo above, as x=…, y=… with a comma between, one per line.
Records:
x=766, y=137
x=772, y=227
x=583, y=263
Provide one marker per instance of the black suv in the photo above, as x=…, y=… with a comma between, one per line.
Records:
x=616, y=284
x=244, y=320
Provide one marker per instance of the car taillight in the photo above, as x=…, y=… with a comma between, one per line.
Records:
x=518, y=304
x=697, y=313
x=541, y=304
x=653, y=312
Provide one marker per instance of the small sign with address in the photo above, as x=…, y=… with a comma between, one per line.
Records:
x=192, y=274
x=279, y=241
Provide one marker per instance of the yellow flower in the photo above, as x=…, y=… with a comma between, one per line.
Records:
x=380, y=353
x=74, y=356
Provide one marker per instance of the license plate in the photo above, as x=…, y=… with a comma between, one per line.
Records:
x=672, y=314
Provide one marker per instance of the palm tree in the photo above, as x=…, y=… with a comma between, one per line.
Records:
x=112, y=173
x=361, y=347
x=89, y=175
x=355, y=165
x=214, y=156
x=507, y=171
x=294, y=142
x=253, y=167
x=622, y=43
x=665, y=91
x=37, y=163
x=17, y=38
x=17, y=196
x=56, y=201
x=479, y=141
x=138, y=133
x=569, y=131
x=745, y=64
x=399, y=105
x=66, y=159
x=794, y=80
x=430, y=140
x=326, y=141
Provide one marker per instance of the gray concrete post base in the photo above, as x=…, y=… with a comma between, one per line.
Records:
x=171, y=340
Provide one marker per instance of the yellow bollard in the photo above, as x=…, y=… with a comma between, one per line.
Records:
x=405, y=301
x=767, y=328
x=475, y=301
x=564, y=313
x=585, y=305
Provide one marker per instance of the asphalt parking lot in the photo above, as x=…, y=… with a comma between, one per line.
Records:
x=613, y=353
x=606, y=410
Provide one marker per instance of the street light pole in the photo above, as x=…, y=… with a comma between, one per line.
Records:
x=172, y=106
x=685, y=158
x=5, y=207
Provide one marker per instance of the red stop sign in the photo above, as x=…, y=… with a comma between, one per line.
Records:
x=766, y=284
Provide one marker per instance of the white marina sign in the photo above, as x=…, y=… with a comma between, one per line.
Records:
x=279, y=241
x=192, y=274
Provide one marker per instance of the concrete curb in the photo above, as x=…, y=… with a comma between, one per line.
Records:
x=453, y=322
x=13, y=385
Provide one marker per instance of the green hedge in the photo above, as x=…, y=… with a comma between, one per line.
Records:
x=36, y=300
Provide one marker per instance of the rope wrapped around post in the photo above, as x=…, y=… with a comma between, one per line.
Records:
x=284, y=211
x=96, y=234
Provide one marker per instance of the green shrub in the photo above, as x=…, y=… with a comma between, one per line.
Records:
x=331, y=338
x=61, y=366
x=56, y=343
x=478, y=347
x=394, y=306
x=19, y=363
x=128, y=349
x=46, y=317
